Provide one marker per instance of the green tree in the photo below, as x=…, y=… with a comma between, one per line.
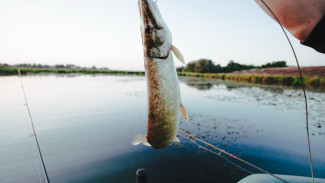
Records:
x=190, y=67
x=275, y=64
x=233, y=66
x=204, y=66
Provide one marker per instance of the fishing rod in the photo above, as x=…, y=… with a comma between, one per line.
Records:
x=34, y=132
x=231, y=155
x=189, y=136
x=37, y=162
x=303, y=89
x=219, y=154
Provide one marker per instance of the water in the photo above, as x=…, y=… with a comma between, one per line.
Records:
x=85, y=124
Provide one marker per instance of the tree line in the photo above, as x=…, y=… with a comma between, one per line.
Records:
x=207, y=66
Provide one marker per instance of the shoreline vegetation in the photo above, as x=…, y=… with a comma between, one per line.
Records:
x=7, y=71
x=313, y=82
x=273, y=73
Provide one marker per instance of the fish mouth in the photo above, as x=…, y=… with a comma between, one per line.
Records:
x=156, y=37
x=150, y=14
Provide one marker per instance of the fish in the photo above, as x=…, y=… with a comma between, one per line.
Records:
x=164, y=98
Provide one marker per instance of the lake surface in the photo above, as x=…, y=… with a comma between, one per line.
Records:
x=85, y=124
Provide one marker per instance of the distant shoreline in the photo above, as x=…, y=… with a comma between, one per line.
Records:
x=7, y=71
x=314, y=77
x=316, y=71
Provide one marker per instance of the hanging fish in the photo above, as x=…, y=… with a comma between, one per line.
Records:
x=164, y=97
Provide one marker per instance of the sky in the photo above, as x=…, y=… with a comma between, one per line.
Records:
x=106, y=33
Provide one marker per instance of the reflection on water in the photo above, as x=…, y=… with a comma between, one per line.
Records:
x=85, y=124
x=225, y=131
x=280, y=97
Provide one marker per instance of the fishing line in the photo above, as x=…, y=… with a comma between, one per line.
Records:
x=219, y=154
x=31, y=122
x=232, y=156
x=36, y=161
x=303, y=88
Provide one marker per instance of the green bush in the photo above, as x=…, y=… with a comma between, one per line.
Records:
x=322, y=83
x=313, y=82
x=270, y=80
x=297, y=82
x=8, y=71
x=288, y=80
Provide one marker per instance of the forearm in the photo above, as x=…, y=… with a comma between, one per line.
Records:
x=299, y=17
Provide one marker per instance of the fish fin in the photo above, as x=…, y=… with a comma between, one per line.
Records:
x=176, y=139
x=178, y=54
x=138, y=139
x=183, y=112
x=146, y=143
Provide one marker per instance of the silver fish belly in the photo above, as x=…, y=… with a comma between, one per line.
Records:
x=164, y=99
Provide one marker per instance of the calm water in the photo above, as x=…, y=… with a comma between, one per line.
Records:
x=85, y=124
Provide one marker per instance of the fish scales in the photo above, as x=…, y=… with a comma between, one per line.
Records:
x=164, y=99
